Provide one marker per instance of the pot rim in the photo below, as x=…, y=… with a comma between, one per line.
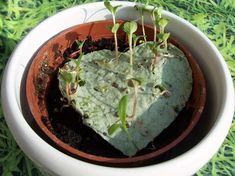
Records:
x=10, y=98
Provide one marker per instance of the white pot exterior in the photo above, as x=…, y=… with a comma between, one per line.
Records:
x=219, y=85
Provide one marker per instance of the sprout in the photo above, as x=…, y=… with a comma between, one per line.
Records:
x=162, y=22
x=122, y=107
x=114, y=29
x=163, y=37
x=142, y=9
x=135, y=83
x=130, y=28
x=135, y=40
x=80, y=45
x=155, y=15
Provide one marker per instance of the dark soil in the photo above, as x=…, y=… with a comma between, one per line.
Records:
x=67, y=124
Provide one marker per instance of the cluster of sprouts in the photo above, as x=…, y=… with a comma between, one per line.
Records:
x=158, y=44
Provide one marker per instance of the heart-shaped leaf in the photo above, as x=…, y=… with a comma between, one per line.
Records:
x=130, y=27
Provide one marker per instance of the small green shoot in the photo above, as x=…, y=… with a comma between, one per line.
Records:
x=114, y=29
x=122, y=107
x=156, y=50
x=162, y=22
x=155, y=15
x=142, y=9
x=130, y=28
x=80, y=45
x=135, y=83
x=163, y=37
x=135, y=40
x=67, y=77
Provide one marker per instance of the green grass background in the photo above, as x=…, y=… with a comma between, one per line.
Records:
x=216, y=18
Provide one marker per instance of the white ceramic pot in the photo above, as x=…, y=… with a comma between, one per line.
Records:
x=206, y=138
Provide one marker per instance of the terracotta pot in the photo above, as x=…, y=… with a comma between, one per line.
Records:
x=45, y=65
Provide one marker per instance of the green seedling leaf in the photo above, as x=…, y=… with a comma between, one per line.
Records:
x=122, y=107
x=135, y=39
x=158, y=12
x=162, y=22
x=115, y=27
x=163, y=36
x=113, y=128
x=66, y=76
x=140, y=8
x=108, y=5
x=115, y=8
x=155, y=48
x=130, y=27
x=112, y=9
